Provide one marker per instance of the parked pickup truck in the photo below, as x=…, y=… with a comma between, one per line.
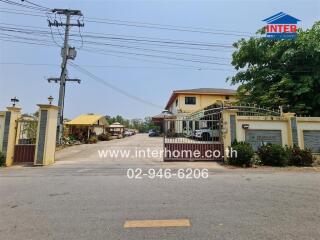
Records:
x=206, y=134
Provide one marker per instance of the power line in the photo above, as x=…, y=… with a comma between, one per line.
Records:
x=200, y=29
x=103, y=51
x=107, y=52
x=114, y=55
x=137, y=38
x=168, y=25
x=167, y=28
x=31, y=31
x=22, y=5
x=142, y=39
x=113, y=87
x=156, y=26
x=7, y=39
x=111, y=66
x=168, y=57
x=21, y=10
x=142, y=49
x=37, y=5
x=98, y=51
x=165, y=42
x=114, y=45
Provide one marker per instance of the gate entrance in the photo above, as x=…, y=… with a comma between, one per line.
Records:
x=25, y=146
x=194, y=138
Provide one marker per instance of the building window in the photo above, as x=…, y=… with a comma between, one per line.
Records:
x=184, y=124
x=176, y=102
x=190, y=100
x=227, y=97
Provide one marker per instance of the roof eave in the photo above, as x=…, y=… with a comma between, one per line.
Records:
x=175, y=93
x=171, y=99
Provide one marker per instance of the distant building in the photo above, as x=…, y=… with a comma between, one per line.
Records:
x=116, y=129
x=84, y=126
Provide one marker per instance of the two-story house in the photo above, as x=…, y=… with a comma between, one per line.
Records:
x=182, y=102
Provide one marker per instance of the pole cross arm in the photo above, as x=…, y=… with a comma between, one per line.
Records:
x=56, y=80
x=55, y=23
x=67, y=11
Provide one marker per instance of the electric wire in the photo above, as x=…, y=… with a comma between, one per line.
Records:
x=37, y=5
x=153, y=26
x=141, y=49
x=22, y=5
x=113, y=87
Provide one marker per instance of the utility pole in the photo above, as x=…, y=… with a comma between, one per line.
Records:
x=67, y=52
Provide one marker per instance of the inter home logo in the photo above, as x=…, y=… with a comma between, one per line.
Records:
x=281, y=26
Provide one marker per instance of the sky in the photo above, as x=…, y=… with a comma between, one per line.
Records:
x=130, y=80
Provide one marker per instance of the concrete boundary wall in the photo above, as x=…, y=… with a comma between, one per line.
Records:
x=310, y=124
x=301, y=131
x=10, y=146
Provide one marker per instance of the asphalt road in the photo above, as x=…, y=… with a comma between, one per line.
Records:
x=85, y=197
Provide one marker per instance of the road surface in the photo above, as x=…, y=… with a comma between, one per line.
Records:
x=83, y=196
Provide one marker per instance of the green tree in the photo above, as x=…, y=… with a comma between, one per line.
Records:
x=143, y=125
x=276, y=73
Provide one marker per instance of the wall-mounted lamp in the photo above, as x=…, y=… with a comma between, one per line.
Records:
x=50, y=99
x=245, y=126
x=14, y=101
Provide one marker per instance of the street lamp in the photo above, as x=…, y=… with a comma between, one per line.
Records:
x=14, y=101
x=50, y=98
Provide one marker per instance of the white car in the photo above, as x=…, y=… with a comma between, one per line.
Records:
x=128, y=133
x=206, y=134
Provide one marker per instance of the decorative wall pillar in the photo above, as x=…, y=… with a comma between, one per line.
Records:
x=9, y=133
x=46, y=135
x=229, y=120
x=292, y=129
x=2, y=118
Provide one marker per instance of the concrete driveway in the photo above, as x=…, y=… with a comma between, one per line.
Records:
x=85, y=197
x=134, y=152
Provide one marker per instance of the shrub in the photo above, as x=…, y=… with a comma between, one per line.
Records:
x=273, y=155
x=300, y=157
x=104, y=137
x=242, y=156
x=72, y=138
x=256, y=160
x=2, y=160
x=93, y=139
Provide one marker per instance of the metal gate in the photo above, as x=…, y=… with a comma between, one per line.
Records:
x=194, y=138
x=198, y=136
x=24, y=148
